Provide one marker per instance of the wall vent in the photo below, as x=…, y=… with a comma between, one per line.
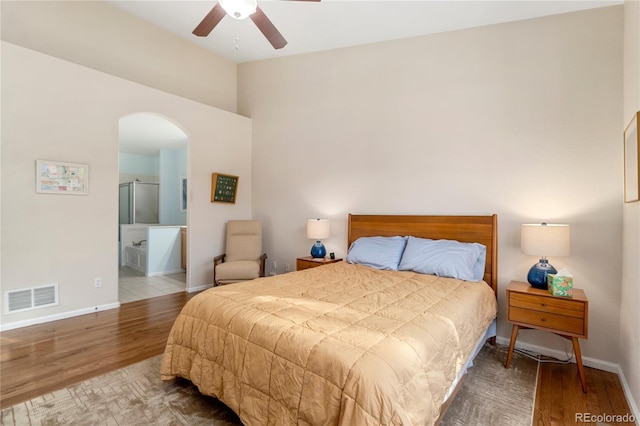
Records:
x=26, y=299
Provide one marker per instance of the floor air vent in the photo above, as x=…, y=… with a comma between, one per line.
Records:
x=31, y=298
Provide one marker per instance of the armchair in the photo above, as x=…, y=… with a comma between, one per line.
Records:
x=242, y=260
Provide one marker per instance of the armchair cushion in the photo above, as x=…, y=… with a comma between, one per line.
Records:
x=240, y=270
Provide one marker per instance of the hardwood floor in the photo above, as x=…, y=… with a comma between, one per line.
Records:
x=39, y=359
x=560, y=400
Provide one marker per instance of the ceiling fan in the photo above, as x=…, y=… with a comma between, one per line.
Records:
x=242, y=9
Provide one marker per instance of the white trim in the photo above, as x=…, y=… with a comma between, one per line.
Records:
x=158, y=274
x=55, y=317
x=587, y=361
x=627, y=393
x=198, y=288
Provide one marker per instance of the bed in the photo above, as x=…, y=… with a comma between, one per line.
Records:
x=345, y=343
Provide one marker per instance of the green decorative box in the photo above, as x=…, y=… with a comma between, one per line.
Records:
x=560, y=286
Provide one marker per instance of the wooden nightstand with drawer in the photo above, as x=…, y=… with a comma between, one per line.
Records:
x=307, y=262
x=529, y=307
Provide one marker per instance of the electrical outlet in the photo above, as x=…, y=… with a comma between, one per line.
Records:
x=97, y=282
x=287, y=267
x=274, y=265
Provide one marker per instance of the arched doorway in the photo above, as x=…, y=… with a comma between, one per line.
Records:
x=152, y=220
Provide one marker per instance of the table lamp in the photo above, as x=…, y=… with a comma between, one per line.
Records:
x=544, y=240
x=318, y=229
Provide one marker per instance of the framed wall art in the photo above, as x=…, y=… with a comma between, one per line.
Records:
x=631, y=160
x=57, y=177
x=224, y=188
x=183, y=193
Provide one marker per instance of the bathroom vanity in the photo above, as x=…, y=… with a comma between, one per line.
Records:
x=136, y=257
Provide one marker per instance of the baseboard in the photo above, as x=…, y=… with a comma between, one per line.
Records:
x=587, y=361
x=627, y=394
x=198, y=288
x=55, y=317
x=158, y=274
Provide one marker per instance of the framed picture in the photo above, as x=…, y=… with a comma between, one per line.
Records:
x=57, y=177
x=183, y=193
x=224, y=188
x=631, y=160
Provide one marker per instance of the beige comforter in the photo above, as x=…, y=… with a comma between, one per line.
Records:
x=339, y=344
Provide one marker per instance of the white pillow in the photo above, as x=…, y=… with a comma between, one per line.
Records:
x=377, y=252
x=444, y=258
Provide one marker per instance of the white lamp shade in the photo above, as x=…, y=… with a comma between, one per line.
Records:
x=318, y=229
x=543, y=239
x=239, y=9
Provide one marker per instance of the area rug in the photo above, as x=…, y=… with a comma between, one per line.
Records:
x=135, y=395
x=494, y=395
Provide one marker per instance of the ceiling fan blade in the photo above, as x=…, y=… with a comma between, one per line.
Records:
x=210, y=21
x=268, y=29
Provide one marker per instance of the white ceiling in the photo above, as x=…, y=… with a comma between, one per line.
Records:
x=329, y=24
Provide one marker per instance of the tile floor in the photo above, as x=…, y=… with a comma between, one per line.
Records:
x=133, y=285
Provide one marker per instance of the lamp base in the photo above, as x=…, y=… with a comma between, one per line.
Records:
x=537, y=276
x=318, y=250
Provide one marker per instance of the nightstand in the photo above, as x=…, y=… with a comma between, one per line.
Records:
x=307, y=262
x=529, y=307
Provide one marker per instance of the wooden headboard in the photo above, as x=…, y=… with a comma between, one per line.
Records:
x=467, y=229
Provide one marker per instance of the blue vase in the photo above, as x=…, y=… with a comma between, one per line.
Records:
x=537, y=276
x=318, y=250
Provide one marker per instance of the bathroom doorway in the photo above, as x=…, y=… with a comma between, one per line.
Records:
x=152, y=220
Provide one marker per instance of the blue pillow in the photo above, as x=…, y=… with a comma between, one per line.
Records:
x=444, y=258
x=377, y=252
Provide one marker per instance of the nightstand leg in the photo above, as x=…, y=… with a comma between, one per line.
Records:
x=512, y=344
x=576, y=349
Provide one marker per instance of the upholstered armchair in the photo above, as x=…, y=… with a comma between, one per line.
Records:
x=243, y=259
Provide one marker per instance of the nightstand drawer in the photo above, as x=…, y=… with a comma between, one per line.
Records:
x=554, y=305
x=301, y=265
x=556, y=322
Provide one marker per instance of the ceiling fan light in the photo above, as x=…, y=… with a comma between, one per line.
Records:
x=239, y=9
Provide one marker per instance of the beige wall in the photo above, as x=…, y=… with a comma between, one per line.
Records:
x=57, y=110
x=100, y=36
x=630, y=294
x=519, y=119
